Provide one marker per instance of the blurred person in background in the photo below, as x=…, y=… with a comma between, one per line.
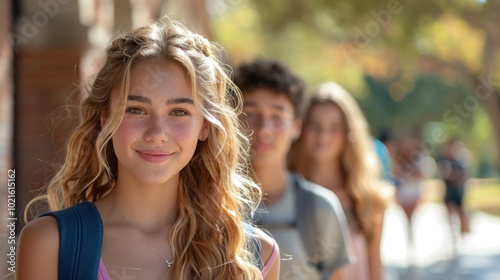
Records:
x=335, y=150
x=409, y=176
x=452, y=169
x=306, y=220
x=385, y=160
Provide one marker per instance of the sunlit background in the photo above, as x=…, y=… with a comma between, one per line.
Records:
x=422, y=71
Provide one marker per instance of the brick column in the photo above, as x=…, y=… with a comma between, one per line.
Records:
x=47, y=69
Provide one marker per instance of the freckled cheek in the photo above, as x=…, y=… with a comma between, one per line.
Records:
x=129, y=130
x=183, y=130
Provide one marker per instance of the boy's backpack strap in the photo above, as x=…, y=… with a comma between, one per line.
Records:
x=80, y=241
x=254, y=245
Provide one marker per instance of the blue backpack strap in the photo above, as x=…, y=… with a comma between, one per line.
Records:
x=254, y=246
x=80, y=241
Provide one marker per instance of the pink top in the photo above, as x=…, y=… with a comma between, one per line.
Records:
x=271, y=259
x=360, y=269
x=102, y=273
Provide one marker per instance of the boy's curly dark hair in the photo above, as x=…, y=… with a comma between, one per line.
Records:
x=272, y=75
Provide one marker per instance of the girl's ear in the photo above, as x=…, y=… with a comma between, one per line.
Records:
x=204, y=131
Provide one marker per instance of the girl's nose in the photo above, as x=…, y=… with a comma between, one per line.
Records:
x=156, y=130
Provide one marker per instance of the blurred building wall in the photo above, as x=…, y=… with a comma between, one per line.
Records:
x=49, y=40
x=6, y=119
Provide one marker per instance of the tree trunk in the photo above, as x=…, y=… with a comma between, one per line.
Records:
x=491, y=104
x=487, y=87
x=193, y=13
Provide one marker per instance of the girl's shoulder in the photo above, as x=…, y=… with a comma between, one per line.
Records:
x=267, y=243
x=43, y=230
x=68, y=241
x=38, y=249
x=269, y=254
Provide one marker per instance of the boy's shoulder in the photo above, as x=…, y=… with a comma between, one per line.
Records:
x=321, y=220
x=310, y=193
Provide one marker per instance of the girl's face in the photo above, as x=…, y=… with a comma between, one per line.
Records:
x=324, y=133
x=161, y=125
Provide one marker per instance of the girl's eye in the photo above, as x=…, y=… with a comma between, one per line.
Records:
x=135, y=111
x=179, y=113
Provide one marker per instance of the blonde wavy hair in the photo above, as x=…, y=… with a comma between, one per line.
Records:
x=215, y=191
x=358, y=160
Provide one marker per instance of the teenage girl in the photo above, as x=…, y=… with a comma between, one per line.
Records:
x=160, y=155
x=335, y=150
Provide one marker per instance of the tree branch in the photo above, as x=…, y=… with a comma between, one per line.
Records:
x=473, y=18
x=456, y=66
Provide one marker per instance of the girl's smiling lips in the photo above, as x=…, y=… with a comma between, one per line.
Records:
x=154, y=156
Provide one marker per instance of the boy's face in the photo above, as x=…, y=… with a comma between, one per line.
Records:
x=270, y=122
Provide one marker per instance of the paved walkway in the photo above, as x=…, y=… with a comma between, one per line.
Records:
x=431, y=256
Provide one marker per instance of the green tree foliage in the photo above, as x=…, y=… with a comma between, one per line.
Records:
x=408, y=62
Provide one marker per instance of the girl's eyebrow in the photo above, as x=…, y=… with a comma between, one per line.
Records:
x=139, y=98
x=179, y=101
x=147, y=100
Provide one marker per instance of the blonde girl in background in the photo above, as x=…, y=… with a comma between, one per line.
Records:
x=159, y=156
x=335, y=150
